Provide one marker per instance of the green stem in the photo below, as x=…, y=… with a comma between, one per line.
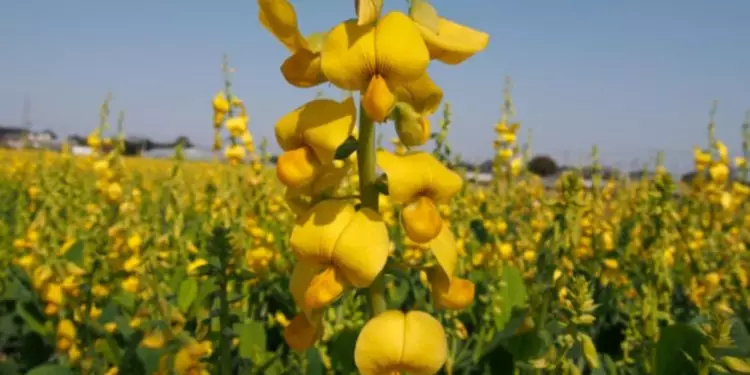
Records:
x=369, y=193
x=225, y=339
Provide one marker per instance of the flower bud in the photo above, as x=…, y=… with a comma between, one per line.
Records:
x=412, y=128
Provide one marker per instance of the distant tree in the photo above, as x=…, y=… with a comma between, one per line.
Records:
x=542, y=166
x=186, y=143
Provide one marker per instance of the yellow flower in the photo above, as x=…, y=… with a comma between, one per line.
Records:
x=221, y=107
x=375, y=59
x=303, y=68
x=450, y=292
x=719, y=172
x=303, y=331
x=453, y=43
x=153, y=340
x=328, y=243
x=220, y=102
x=234, y=154
x=66, y=335
x=419, y=181
x=393, y=342
x=310, y=136
x=187, y=360
x=130, y=284
x=237, y=126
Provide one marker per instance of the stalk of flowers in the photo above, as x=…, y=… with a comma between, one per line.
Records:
x=505, y=144
x=231, y=112
x=385, y=60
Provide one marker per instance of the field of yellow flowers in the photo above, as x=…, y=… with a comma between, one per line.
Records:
x=351, y=257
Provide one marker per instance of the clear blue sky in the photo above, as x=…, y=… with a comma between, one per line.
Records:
x=632, y=76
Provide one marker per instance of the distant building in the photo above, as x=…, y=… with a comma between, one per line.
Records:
x=12, y=137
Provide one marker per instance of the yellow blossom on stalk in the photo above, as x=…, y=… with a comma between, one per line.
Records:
x=237, y=126
x=420, y=182
x=221, y=108
x=393, y=342
x=66, y=335
x=310, y=136
x=329, y=237
x=702, y=158
x=507, y=133
x=235, y=154
x=187, y=361
x=375, y=59
x=303, y=67
x=449, y=42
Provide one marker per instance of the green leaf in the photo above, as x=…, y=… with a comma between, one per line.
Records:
x=347, y=148
x=480, y=232
x=589, y=350
x=676, y=343
x=342, y=351
x=513, y=294
x=525, y=346
x=397, y=293
x=314, y=362
x=75, y=254
x=187, y=294
x=499, y=361
x=50, y=370
x=30, y=320
x=252, y=339
x=177, y=277
x=737, y=365
x=151, y=359
x=423, y=13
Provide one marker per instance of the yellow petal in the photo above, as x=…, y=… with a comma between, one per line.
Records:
x=297, y=168
x=315, y=234
x=280, y=19
x=423, y=13
x=418, y=174
x=299, y=281
x=302, y=333
x=329, y=176
x=302, y=69
x=445, y=251
x=425, y=344
x=350, y=58
x=321, y=124
x=324, y=288
x=380, y=344
x=296, y=203
x=421, y=220
x=348, y=55
x=422, y=94
x=454, y=43
x=378, y=100
x=392, y=341
x=367, y=11
x=315, y=42
x=360, y=260
x=451, y=293
x=401, y=54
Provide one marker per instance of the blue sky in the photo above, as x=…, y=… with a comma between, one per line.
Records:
x=632, y=76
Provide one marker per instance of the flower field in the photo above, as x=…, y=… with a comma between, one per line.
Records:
x=348, y=256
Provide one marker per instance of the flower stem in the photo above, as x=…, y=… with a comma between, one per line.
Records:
x=369, y=193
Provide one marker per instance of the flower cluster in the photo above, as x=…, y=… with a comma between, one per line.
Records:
x=342, y=242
